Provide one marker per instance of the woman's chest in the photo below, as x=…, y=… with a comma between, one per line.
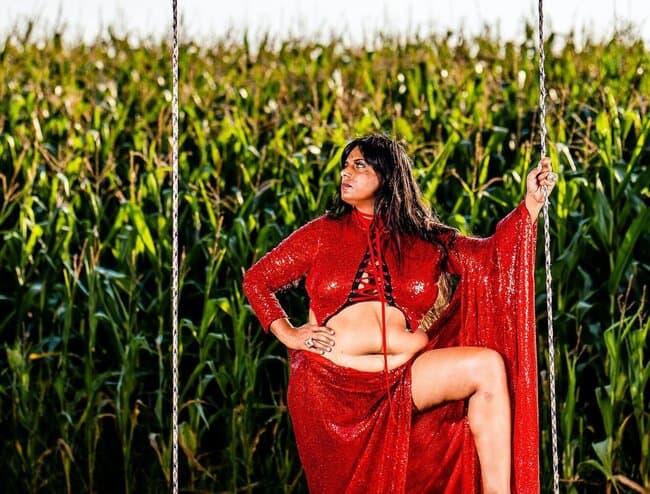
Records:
x=412, y=279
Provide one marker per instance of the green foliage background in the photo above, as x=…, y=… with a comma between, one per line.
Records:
x=85, y=226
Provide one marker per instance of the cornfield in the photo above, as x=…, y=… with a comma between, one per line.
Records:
x=85, y=249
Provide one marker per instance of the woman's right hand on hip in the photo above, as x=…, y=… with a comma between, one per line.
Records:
x=311, y=337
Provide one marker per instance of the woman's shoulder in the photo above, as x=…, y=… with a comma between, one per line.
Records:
x=438, y=233
x=327, y=221
x=322, y=223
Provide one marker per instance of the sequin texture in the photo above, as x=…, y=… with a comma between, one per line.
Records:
x=345, y=437
x=314, y=252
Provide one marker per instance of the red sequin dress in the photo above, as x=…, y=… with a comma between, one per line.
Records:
x=356, y=431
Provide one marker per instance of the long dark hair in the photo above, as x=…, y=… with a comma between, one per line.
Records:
x=400, y=206
x=399, y=201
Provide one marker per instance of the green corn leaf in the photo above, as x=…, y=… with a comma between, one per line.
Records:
x=640, y=225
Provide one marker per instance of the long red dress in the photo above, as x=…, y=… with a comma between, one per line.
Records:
x=351, y=437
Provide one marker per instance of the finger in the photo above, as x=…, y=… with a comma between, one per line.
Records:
x=321, y=346
x=547, y=178
x=324, y=341
x=550, y=178
x=544, y=164
x=323, y=330
x=314, y=345
x=537, y=175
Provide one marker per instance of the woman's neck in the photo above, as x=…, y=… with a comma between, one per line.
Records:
x=364, y=219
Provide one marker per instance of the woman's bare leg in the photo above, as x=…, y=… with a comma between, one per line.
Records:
x=458, y=373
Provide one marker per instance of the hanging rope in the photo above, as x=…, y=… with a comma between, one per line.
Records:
x=174, y=248
x=547, y=255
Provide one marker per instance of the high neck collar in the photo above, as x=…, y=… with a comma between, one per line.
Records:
x=365, y=220
x=368, y=222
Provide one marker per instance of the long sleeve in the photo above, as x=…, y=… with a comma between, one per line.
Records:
x=469, y=253
x=494, y=307
x=280, y=268
x=498, y=311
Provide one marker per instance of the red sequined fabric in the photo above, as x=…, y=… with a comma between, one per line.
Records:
x=348, y=438
x=327, y=253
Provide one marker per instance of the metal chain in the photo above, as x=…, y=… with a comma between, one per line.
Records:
x=547, y=254
x=175, y=338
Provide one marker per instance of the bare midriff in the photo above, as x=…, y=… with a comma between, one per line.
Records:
x=358, y=337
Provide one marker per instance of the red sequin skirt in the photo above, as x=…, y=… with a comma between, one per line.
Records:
x=352, y=438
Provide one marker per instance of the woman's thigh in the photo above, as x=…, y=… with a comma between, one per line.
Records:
x=449, y=374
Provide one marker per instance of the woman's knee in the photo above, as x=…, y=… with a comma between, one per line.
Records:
x=491, y=369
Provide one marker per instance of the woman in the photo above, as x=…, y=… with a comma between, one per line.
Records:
x=381, y=400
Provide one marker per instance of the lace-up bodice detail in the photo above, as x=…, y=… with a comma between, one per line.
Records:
x=365, y=286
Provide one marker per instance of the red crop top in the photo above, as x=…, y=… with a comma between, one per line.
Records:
x=328, y=253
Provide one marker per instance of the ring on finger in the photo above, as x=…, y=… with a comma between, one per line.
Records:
x=309, y=342
x=552, y=177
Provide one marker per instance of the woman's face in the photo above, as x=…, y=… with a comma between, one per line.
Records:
x=359, y=182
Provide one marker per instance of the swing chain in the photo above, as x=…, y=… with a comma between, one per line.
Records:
x=175, y=397
x=547, y=253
